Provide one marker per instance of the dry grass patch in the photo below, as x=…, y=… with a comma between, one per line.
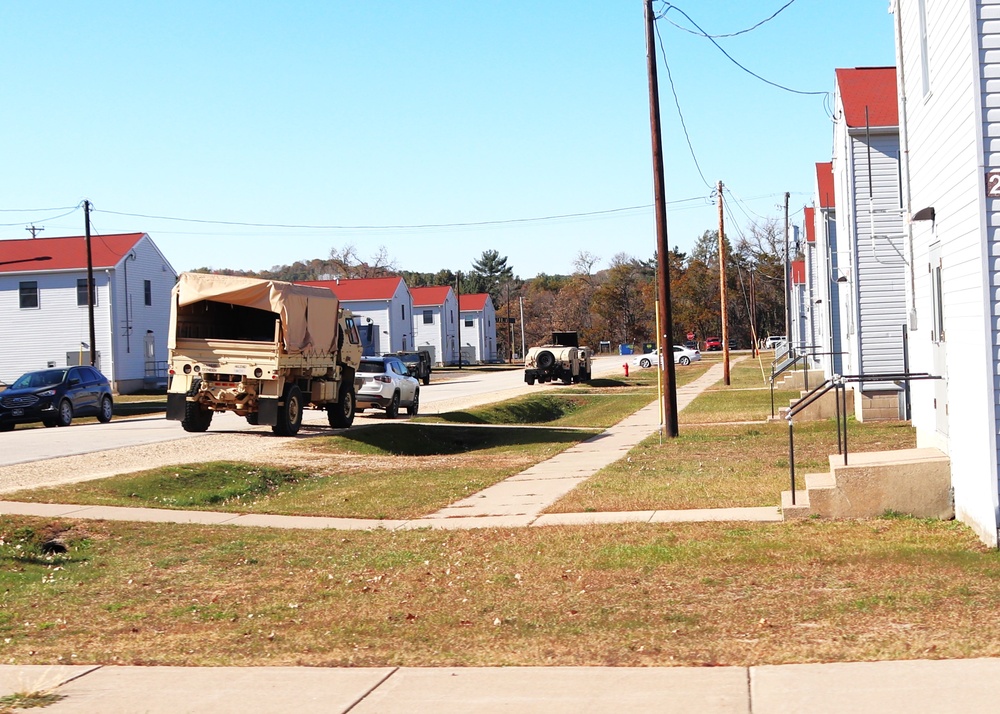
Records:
x=391, y=471
x=626, y=595
x=722, y=466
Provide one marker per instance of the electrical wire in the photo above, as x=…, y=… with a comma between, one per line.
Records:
x=670, y=6
x=677, y=103
x=731, y=34
x=48, y=218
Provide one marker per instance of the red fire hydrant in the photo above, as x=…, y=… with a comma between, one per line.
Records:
x=626, y=368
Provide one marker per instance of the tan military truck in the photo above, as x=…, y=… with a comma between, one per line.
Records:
x=262, y=349
x=562, y=359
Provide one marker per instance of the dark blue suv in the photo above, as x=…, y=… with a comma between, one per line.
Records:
x=55, y=396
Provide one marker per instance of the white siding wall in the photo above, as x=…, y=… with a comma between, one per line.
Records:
x=880, y=263
x=947, y=157
x=827, y=290
x=57, y=326
x=129, y=354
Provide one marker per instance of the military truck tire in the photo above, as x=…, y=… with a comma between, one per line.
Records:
x=545, y=359
x=427, y=379
x=289, y=413
x=584, y=376
x=392, y=410
x=253, y=418
x=341, y=414
x=530, y=379
x=196, y=418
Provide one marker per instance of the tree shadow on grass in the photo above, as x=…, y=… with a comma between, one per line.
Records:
x=441, y=440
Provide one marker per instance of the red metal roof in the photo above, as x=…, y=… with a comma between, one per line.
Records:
x=810, y=221
x=431, y=295
x=873, y=88
x=69, y=253
x=798, y=272
x=472, y=302
x=824, y=184
x=359, y=288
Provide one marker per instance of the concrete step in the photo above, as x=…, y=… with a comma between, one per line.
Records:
x=801, y=508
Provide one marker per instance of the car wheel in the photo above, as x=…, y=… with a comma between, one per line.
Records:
x=107, y=410
x=341, y=414
x=392, y=410
x=415, y=405
x=685, y=360
x=290, y=413
x=65, y=417
x=47, y=423
x=9, y=426
x=644, y=363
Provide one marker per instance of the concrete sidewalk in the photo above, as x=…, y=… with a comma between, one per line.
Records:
x=913, y=686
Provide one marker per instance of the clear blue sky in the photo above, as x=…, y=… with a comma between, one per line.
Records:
x=397, y=115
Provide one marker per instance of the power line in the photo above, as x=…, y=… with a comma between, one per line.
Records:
x=680, y=114
x=711, y=39
x=731, y=34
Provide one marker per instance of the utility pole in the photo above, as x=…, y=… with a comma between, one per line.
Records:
x=665, y=338
x=90, y=285
x=458, y=298
x=722, y=293
x=753, y=313
x=510, y=330
x=34, y=229
x=788, y=285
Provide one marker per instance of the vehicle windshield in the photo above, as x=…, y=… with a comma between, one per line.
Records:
x=410, y=358
x=36, y=380
x=371, y=367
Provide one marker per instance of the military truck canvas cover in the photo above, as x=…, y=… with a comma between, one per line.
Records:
x=308, y=314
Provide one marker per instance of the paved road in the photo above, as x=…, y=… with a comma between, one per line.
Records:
x=466, y=391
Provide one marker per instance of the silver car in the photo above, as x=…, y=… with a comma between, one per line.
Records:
x=387, y=384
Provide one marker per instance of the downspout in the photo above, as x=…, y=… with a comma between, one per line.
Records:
x=904, y=143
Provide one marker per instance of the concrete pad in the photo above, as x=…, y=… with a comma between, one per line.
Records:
x=763, y=514
x=150, y=515
x=262, y=520
x=588, y=519
x=25, y=679
x=219, y=690
x=17, y=508
x=912, y=686
x=560, y=690
x=511, y=521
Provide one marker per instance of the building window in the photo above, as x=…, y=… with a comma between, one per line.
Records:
x=81, y=292
x=147, y=291
x=428, y=317
x=469, y=322
x=402, y=311
x=937, y=304
x=925, y=68
x=28, y=291
x=451, y=317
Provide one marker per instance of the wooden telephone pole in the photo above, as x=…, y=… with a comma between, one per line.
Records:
x=664, y=339
x=722, y=292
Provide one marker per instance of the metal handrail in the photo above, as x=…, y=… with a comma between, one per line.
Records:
x=839, y=384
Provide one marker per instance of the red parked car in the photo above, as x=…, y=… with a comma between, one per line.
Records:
x=712, y=344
